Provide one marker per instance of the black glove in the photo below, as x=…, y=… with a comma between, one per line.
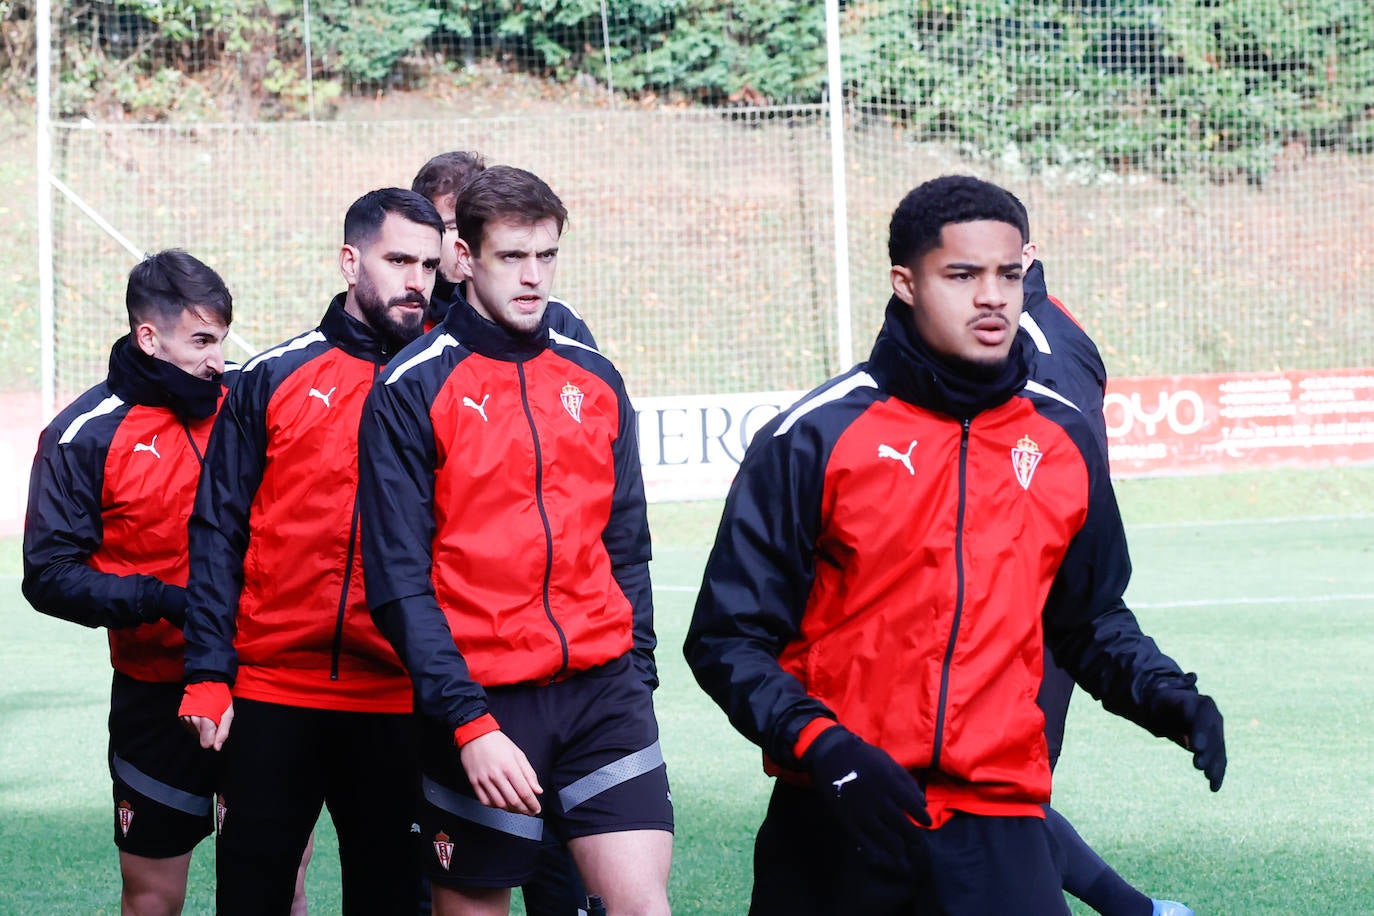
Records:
x=869, y=793
x=160, y=601
x=1193, y=721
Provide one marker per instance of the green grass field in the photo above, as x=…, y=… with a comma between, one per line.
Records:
x=1263, y=583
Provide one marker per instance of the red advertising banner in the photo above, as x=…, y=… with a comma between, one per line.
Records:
x=1195, y=424
x=690, y=446
x=21, y=420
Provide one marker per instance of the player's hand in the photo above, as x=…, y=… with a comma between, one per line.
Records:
x=160, y=601
x=500, y=774
x=878, y=802
x=207, y=710
x=1193, y=721
x=172, y=606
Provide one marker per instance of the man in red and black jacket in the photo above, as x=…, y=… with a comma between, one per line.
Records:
x=555, y=888
x=506, y=539
x=277, y=613
x=894, y=554
x=105, y=546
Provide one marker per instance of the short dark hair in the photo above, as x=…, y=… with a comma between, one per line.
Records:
x=166, y=283
x=365, y=217
x=926, y=210
x=1025, y=217
x=445, y=174
x=504, y=192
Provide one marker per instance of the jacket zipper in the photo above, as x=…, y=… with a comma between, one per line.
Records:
x=337, y=650
x=958, y=600
x=186, y=428
x=343, y=594
x=544, y=519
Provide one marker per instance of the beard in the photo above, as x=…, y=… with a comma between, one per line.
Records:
x=395, y=328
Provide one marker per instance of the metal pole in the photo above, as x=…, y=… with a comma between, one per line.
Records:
x=309, y=66
x=843, y=329
x=108, y=228
x=47, y=335
x=606, y=50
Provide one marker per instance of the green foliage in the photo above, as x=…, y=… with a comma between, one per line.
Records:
x=367, y=41
x=767, y=51
x=710, y=50
x=1170, y=87
x=1260, y=73
x=154, y=60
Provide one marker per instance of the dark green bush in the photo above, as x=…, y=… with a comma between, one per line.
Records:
x=1169, y=87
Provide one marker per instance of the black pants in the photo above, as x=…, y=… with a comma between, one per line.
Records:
x=805, y=865
x=280, y=765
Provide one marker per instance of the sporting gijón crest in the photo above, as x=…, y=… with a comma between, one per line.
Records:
x=125, y=812
x=1025, y=457
x=572, y=397
x=443, y=849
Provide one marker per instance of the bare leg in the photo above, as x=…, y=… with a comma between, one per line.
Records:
x=153, y=887
x=470, y=901
x=628, y=869
x=298, y=902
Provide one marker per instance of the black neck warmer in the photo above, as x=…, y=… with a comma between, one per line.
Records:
x=138, y=378
x=495, y=341
x=914, y=373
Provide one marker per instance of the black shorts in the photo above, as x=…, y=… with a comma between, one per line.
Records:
x=805, y=864
x=163, y=779
x=280, y=766
x=593, y=742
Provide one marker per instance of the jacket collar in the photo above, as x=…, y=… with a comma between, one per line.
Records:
x=137, y=378
x=1033, y=284
x=353, y=336
x=902, y=364
x=443, y=296
x=486, y=337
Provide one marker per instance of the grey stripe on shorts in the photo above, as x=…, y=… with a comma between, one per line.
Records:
x=160, y=792
x=611, y=775
x=470, y=809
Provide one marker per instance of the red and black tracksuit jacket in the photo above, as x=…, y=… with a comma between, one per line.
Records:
x=883, y=561
x=504, y=524
x=109, y=497
x=276, y=601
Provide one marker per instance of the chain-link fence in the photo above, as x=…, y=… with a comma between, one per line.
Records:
x=1198, y=175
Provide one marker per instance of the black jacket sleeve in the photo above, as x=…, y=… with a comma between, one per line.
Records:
x=396, y=461
x=755, y=587
x=627, y=540
x=63, y=528
x=235, y=460
x=1092, y=633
